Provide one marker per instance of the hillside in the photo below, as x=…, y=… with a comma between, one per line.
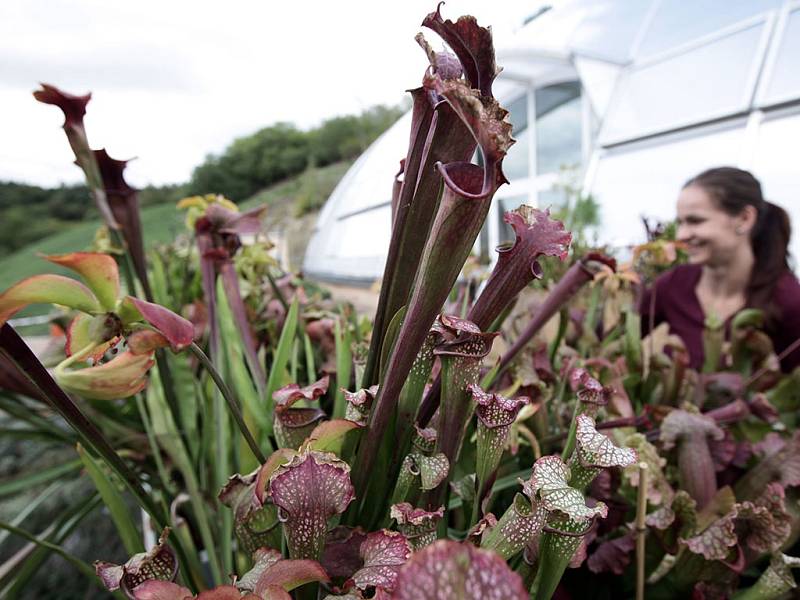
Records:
x=161, y=223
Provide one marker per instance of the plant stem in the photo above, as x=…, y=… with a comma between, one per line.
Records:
x=641, y=512
x=233, y=406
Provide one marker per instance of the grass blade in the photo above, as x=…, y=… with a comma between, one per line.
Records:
x=280, y=361
x=311, y=368
x=27, y=481
x=344, y=365
x=114, y=502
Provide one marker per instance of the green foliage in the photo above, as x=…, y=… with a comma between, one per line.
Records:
x=281, y=150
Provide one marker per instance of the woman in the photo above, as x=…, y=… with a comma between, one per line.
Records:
x=737, y=244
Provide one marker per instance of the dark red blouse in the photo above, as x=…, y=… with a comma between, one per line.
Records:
x=676, y=304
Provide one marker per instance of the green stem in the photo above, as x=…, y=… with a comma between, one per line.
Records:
x=154, y=449
x=233, y=405
x=80, y=565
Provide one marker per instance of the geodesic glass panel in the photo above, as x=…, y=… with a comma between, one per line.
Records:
x=558, y=127
x=677, y=21
x=775, y=166
x=784, y=83
x=515, y=164
x=705, y=83
x=602, y=17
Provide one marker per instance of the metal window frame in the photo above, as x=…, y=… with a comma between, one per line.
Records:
x=761, y=99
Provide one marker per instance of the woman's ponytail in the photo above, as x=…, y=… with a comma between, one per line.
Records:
x=770, y=239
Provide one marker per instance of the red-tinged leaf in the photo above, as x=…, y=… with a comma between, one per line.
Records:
x=517, y=264
x=246, y=223
x=383, y=553
x=274, y=592
x=416, y=524
x=472, y=45
x=341, y=556
x=329, y=436
x=161, y=590
x=123, y=200
x=310, y=489
x=178, y=331
x=447, y=570
x=290, y=574
x=73, y=107
x=359, y=404
x=612, y=556
x=121, y=377
x=159, y=563
x=494, y=410
x=289, y=394
x=225, y=592
x=293, y=425
x=482, y=529
x=145, y=341
x=716, y=541
x=275, y=460
x=47, y=289
x=766, y=524
x=99, y=271
x=263, y=559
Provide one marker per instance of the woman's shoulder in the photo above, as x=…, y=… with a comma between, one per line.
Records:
x=786, y=293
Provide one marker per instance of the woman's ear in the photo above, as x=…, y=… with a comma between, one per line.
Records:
x=746, y=220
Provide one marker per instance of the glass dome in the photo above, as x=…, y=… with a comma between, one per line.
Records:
x=635, y=96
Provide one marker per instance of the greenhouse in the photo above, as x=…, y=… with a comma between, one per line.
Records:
x=633, y=97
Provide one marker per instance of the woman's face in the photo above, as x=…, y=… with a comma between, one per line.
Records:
x=711, y=235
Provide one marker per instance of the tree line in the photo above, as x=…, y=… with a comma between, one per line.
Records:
x=247, y=165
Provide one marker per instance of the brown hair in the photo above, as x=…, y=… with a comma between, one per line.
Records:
x=732, y=190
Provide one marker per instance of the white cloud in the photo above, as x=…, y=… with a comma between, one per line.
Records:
x=174, y=81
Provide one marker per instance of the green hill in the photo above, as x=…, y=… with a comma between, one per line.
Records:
x=161, y=223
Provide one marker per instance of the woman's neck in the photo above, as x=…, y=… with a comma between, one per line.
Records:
x=729, y=278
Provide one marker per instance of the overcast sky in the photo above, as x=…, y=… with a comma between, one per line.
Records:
x=173, y=81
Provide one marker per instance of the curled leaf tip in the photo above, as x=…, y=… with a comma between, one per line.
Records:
x=495, y=410
x=73, y=107
x=548, y=484
x=289, y=394
x=160, y=563
x=540, y=234
x=598, y=450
